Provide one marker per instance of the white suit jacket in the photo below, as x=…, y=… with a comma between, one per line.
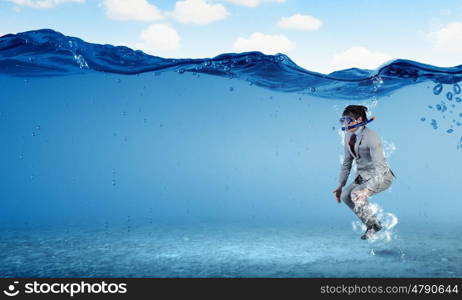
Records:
x=370, y=159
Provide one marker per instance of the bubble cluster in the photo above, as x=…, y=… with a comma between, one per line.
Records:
x=80, y=60
x=442, y=107
x=377, y=82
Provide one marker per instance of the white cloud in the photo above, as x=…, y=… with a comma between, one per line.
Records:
x=42, y=3
x=358, y=57
x=268, y=44
x=253, y=3
x=300, y=22
x=139, y=10
x=449, y=38
x=198, y=12
x=158, y=39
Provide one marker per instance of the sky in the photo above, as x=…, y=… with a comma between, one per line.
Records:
x=321, y=36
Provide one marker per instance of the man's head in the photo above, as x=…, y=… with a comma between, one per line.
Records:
x=356, y=113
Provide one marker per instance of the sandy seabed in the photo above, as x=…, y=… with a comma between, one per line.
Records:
x=232, y=250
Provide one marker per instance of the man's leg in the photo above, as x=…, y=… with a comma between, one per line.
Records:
x=362, y=208
x=346, y=195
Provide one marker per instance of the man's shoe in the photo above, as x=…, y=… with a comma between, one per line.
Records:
x=377, y=226
x=371, y=230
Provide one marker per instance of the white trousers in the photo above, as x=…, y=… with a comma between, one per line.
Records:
x=360, y=205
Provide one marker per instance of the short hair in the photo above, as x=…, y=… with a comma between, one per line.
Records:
x=356, y=111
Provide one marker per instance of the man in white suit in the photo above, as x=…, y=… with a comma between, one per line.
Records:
x=373, y=174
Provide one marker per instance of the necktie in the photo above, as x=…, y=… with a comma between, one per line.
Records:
x=352, y=143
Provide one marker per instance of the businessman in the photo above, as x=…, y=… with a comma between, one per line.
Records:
x=373, y=175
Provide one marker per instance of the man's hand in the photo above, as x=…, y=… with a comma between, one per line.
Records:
x=338, y=192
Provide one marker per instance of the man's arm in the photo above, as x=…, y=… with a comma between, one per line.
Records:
x=346, y=165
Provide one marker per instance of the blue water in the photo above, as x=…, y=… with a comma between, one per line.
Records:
x=120, y=164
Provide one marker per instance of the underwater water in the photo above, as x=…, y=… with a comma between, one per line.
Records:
x=120, y=164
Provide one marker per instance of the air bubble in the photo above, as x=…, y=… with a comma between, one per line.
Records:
x=443, y=106
x=437, y=89
x=456, y=88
